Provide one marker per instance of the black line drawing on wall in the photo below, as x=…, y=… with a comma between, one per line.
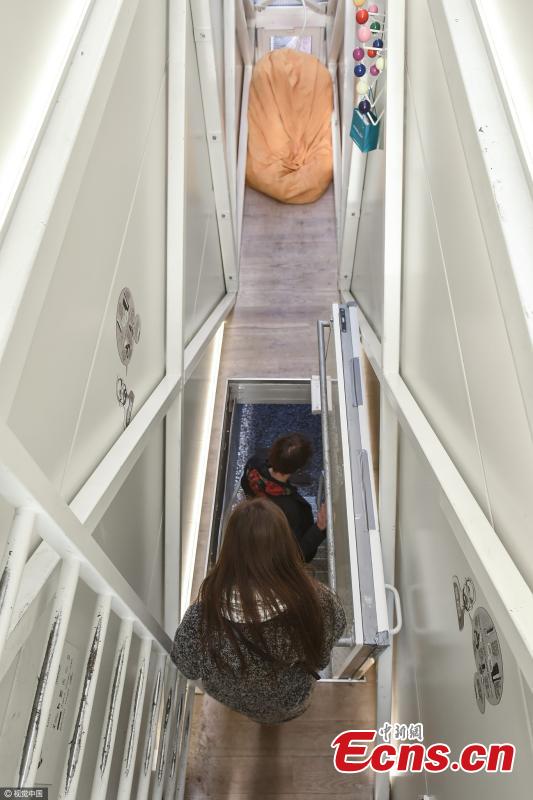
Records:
x=128, y=333
x=128, y=326
x=488, y=677
x=126, y=400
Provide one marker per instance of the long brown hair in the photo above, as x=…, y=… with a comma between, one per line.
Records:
x=261, y=564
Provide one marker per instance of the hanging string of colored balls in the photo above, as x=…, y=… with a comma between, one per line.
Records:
x=364, y=34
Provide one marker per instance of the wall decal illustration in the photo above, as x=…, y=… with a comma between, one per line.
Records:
x=488, y=677
x=128, y=326
x=128, y=333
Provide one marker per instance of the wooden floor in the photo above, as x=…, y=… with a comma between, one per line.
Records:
x=287, y=281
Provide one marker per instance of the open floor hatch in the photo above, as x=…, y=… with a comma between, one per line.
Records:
x=332, y=410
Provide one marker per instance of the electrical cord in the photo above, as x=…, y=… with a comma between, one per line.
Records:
x=300, y=35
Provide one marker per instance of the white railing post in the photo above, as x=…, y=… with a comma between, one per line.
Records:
x=176, y=190
x=230, y=100
x=336, y=35
x=165, y=733
x=134, y=721
x=44, y=693
x=68, y=786
x=114, y=698
x=147, y=753
x=184, y=740
x=12, y=567
x=172, y=777
x=243, y=34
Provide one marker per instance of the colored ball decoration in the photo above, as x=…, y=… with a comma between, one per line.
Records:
x=374, y=71
x=364, y=106
x=373, y=9
x=360, y=70
x=372, y=53
x=362, y=17
x=358, y=54
x=380, y=63
x=359, y=3
x=374, y=26
x=361, y=87
x=378, y=43
x=364, y=34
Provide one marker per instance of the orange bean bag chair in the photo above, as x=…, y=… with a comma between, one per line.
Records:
x=290, y=154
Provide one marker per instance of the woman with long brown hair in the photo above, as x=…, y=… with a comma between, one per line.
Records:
x=261, y=627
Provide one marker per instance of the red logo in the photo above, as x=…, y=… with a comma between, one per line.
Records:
x=353, y=753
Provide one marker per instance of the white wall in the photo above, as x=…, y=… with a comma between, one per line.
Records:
x=132, y=533
x=197, y=414
x=65, y=410
x=204, y=280
x=105, y=229
x=455, y=355
x=367, y=275
x=35, y=41
x=509, y=24
x=456, y=358
x=435, y=663
x=110, y=234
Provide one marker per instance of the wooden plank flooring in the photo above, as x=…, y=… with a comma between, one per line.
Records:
x=288, y=280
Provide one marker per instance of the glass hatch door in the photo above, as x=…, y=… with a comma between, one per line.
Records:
x=354, y=546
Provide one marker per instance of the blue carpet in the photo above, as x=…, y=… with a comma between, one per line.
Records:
x=259, y=424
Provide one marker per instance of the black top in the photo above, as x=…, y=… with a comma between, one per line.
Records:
x=258, y=482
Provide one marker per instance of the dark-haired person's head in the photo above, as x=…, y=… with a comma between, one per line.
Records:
x=290, y=453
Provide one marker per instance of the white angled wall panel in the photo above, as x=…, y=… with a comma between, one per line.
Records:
x=197, y=417
x=204, y=280
x=436, y=664
x=367, y=280
x=35, y=40
x=114, y=236
x=132, y=532
x=432, y=363
x=453, y=321
x=140, y=267
x=509, y=24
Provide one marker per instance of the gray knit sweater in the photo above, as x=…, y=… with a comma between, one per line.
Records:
x=263, y=692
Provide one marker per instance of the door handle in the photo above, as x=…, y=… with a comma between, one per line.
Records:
x=398, y=608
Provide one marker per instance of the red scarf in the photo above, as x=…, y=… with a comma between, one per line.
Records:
x=261, y=486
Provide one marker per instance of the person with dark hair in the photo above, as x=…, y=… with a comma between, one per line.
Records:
x=261, y=627
x=268, y=474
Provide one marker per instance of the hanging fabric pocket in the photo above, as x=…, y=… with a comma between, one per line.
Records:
x=365, y=130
